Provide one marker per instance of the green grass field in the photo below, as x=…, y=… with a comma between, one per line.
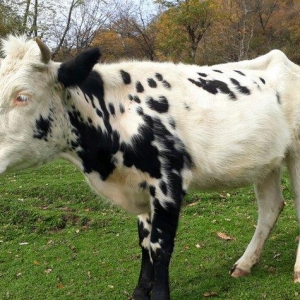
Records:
x=60, y=241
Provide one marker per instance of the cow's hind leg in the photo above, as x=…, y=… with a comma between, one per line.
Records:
x=146, y=278
x=270, y=204
x=293, y=164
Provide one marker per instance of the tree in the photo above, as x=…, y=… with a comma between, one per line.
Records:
x=62, y=25
x=187, y=22
x=78, y=28
x=134, y=22
x=9, y=20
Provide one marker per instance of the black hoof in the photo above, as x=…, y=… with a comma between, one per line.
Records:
x=140, y=294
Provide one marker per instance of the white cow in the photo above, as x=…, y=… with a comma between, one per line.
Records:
x=143, y=133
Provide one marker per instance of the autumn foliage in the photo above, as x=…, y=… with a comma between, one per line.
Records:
x=191, y=31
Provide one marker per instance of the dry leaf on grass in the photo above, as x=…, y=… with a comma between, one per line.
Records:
x=210, y=294
x=224, y=236
x=192, y=204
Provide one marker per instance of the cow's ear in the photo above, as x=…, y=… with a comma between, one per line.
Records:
x=76, y=70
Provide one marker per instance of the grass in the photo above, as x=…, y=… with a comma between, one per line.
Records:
x=60, y=241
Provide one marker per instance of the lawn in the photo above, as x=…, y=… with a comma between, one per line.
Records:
x=60, y=241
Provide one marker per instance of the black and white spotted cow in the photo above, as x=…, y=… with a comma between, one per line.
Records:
x=143, y=133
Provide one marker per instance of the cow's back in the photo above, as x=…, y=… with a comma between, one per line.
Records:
x=230, y=121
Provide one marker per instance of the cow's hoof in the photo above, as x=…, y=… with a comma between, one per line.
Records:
x=236, y=272
x=297, y=277
x=140, y=295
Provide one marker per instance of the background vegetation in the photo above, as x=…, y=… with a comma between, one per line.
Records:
x=60, y=241
x=192, y=31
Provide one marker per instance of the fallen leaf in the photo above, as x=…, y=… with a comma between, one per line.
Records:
x=224, y=236
x=48, y=271
x=210, y=294
x=36, y=263
x=60, y=286
x=192, y=204
x=272, y=270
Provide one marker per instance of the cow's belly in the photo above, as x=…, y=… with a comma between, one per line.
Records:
x=239, y=175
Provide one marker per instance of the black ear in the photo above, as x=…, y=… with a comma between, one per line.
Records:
x=76, y=70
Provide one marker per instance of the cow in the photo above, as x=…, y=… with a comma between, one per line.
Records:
x=145, y=133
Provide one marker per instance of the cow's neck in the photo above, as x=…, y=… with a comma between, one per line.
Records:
x=93, y=142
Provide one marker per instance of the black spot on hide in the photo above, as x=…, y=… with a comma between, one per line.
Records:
x=143, y=232
x=126, y=77
x=141, y=153
x=139, y=87
x=166, y=84
x=145, y=156
x=218, y=71
x=143, y=185
x=262, y=80
x=159, y=77
x=42, y=128
x=202, y=74
x=239, y=72
x=161, y=105
x=242, y=89
x=172, y=123
x=278, y=98
x=214, y=87
x=140, y=111
x=187, y=107
x=174, y=153
x=163, y=187
x=122, y=108
x=112, y=109
x=152, y=83
x=97, y=145
x=152, y=190
x=136, y=99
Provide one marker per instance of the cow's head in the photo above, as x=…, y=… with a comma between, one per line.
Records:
x=33, y=119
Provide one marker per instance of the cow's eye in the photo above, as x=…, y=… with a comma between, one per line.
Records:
x=21, y=99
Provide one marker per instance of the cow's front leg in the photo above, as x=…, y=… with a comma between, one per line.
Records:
x=164, y=224
x=146, y=278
